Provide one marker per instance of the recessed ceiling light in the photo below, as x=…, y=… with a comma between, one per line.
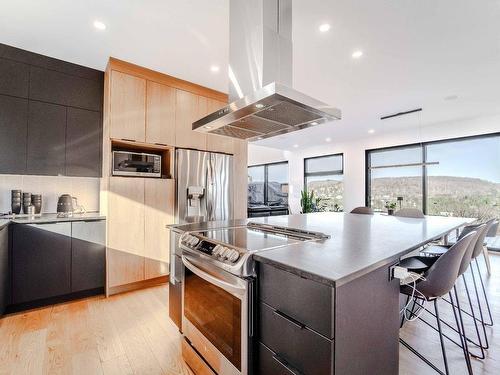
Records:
x=314, y=123
x=371, y=131
x=259, y=138
x=214, y=68
x=357, y=54
x=451, y=97
x=328, y=139
x=207, y=127
x=295, y=146
x=259, y=105
x=99, y=25
x=324, y=27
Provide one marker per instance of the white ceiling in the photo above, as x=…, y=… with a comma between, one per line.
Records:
x=416, y=53
x=181, y=38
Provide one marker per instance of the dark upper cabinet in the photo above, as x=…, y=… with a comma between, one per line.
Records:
x=13, y=130
x=83, y=143
x=46, y=139
x=4, y=268
x=41, y=261
x=88, y=257
x=14, y=78
x=60, y=88
x=50, y=115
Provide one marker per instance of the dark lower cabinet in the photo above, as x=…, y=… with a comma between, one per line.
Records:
x=56, y=261
x=4, y=268
x=41, y=261
x=268, y=362
x=88, y=255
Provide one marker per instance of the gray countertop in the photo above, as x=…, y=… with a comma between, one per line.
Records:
x=358, y=243
x=50, y=218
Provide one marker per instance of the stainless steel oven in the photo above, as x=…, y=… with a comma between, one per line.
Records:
x=217, y=315
x=140, y=164
x=218, y=289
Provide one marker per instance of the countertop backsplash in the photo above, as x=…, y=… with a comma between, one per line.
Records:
x=86, y=189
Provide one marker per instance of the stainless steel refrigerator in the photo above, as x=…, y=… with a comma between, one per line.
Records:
x=204, y=186
x=204, y=192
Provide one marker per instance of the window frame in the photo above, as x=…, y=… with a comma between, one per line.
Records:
x=266, y=177
x=338, y=172
x=424, y=163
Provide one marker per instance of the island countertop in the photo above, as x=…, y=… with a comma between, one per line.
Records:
x=358, y=243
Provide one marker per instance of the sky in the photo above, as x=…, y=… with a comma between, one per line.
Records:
x=477, y=158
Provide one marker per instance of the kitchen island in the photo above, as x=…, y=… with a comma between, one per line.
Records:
x=331, y=306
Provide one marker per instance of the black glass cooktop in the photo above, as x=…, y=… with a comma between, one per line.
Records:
x=249, y=239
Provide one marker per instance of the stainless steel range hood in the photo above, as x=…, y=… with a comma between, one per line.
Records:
x=264, y=104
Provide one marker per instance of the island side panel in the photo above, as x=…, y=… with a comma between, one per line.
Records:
x=367, y=325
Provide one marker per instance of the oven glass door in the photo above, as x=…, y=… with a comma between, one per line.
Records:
x=216, y=313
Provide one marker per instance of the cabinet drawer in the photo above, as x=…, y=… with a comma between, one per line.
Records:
x=304, y=300
x=298, y=345
x=269, y=363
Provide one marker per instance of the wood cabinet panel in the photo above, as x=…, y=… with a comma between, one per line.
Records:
x=125, y=230
x=46, y=139
x=186, y=112
x=160, y=114
x=128, y=107
x=159, y=212
x=13, y=134
x=218, y=143
x=83, y=143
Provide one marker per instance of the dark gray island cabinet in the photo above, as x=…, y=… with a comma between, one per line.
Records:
x=307, y=327
x=331, y=307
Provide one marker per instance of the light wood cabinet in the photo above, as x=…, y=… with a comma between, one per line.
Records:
x=160, y=114
x=125, y=256
x=218, y=143
x=186, y=112
x=127, y=107
x=159, y=211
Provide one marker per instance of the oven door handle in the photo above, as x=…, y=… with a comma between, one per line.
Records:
x=235, y=289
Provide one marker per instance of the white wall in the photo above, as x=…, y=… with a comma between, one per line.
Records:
x=86, y=189
x=354, y=154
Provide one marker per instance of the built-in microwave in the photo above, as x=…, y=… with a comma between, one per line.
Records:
x=127, y=163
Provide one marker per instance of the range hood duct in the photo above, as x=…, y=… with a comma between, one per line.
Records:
x=263, y=102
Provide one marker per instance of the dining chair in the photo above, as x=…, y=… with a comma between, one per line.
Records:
x=362, y=210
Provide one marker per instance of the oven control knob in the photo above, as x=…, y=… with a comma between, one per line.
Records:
x=194, y=241
x=233, y=257
x=184, y=237
x=217, y=250
x=225, y=253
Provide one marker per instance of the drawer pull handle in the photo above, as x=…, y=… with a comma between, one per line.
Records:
x=285, y=365
x=289, y=319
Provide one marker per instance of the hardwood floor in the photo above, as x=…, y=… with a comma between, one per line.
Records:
x=125, y=334
x=131, y=334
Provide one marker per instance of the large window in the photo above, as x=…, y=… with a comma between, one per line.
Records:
x=268, y=185
x=324, y=176
x=458, y=177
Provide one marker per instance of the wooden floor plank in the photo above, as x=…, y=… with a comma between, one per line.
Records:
x=131, y=334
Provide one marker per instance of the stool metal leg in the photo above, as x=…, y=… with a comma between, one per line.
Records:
x=464, y=341
x=443, y=349
x=484, y=293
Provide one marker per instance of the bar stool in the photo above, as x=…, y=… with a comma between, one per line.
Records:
x=440, y=279
x=362, y=210
x=478, y=250
x=410, y=212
